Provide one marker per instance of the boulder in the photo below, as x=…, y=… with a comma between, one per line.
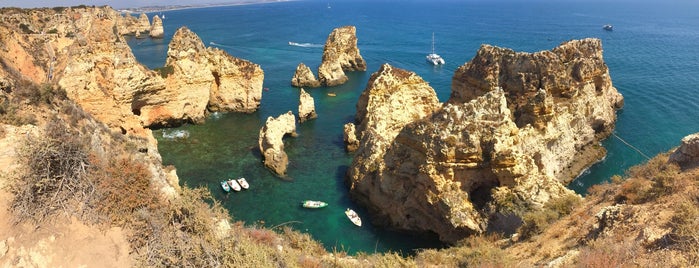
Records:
x=271, y=144
x=340, y=54
x=687, y=155
x=156, y=29
x=307, y=109
x=516, y=128
x=303, y=77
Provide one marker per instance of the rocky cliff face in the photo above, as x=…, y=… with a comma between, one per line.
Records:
x=687, y=155
x=156, y=29
x=271, y=144
x=340, y=54
x=202, y=79
x=303, y=77
x=516, y=126
x=392, y=99
x=307, y=108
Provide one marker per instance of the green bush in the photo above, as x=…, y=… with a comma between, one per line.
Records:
x=165, y=71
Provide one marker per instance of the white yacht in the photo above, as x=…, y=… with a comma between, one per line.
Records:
x=434, y=58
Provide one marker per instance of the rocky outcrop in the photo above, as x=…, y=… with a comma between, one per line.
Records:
x=340, y=54
x=271, y=144
x=143, y=24
x=156, y=29
x=517, y=126
x=392, y=99
x=128, y=24
x=350, y=137
x=307, y=108
x=201, y=79
x=98, y=71
x=687, y=155
x=303, y=77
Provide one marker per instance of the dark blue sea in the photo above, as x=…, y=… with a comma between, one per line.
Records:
x=652, y=54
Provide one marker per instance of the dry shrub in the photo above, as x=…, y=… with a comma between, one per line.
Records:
x=56, y=174
x=124, y=186
x=534, y=222
x=474, y=251
x=302, y=241
x=685, y=228
x=263, y=236
x=650, y=181
x=612, y=251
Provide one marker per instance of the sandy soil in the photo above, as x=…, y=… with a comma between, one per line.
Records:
x=63, y=243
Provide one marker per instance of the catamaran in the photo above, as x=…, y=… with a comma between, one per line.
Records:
x=434, y=58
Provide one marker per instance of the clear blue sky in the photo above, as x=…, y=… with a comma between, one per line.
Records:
x=112, y=3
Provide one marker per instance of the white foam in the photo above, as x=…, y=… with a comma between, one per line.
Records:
x=175, y=134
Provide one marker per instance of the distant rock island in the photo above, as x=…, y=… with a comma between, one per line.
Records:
x=150, y=9
x=340, y=54
x=517, y=127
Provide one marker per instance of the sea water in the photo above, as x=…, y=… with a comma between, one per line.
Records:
x=652, y=54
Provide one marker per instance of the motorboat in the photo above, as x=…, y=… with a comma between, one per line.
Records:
x=314, y=204
x=225, y=186
x=243, y=183
x=353, y=217
x=608, y=27
x=234, y=185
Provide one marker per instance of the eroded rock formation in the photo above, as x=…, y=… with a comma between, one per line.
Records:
x=350, y=137
x=156, y=29
x=201, y=79
x=516, y=126
x=393, y=98
x=271, y=144
x=687, y=155
x=303, y=77
x=340, y=54
x=307, y=108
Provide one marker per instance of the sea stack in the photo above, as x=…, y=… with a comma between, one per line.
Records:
x=517, y=127
x=307, y=108
x=340, y=54
x=200, y=80
x=303, y=77
x=156, y=29
x=271, y=144
x=144, y=23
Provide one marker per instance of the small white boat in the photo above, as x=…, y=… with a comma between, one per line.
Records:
x=314, y=204
x=434, y=58
x=243, y=183
x=608, y=27
x=225, y=186
x=353, y=217
x=234, y=185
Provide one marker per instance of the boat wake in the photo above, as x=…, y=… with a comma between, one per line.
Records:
x=175, y=134
x=219, y=45
x=304, y=44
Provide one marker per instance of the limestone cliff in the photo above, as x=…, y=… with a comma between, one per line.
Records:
x=307, y=108
x=687, y=155
x=201, y=79
x=156, y=29
x=340, y=54
x=516, y=127
x=271, y=144
x=130, y=25
x=303, y=77
x=393, y=98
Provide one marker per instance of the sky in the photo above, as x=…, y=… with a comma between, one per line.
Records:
x=112, y=3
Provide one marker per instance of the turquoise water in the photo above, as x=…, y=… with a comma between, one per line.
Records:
x=653, y=56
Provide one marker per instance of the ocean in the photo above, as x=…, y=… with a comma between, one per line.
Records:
x=652, y=54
